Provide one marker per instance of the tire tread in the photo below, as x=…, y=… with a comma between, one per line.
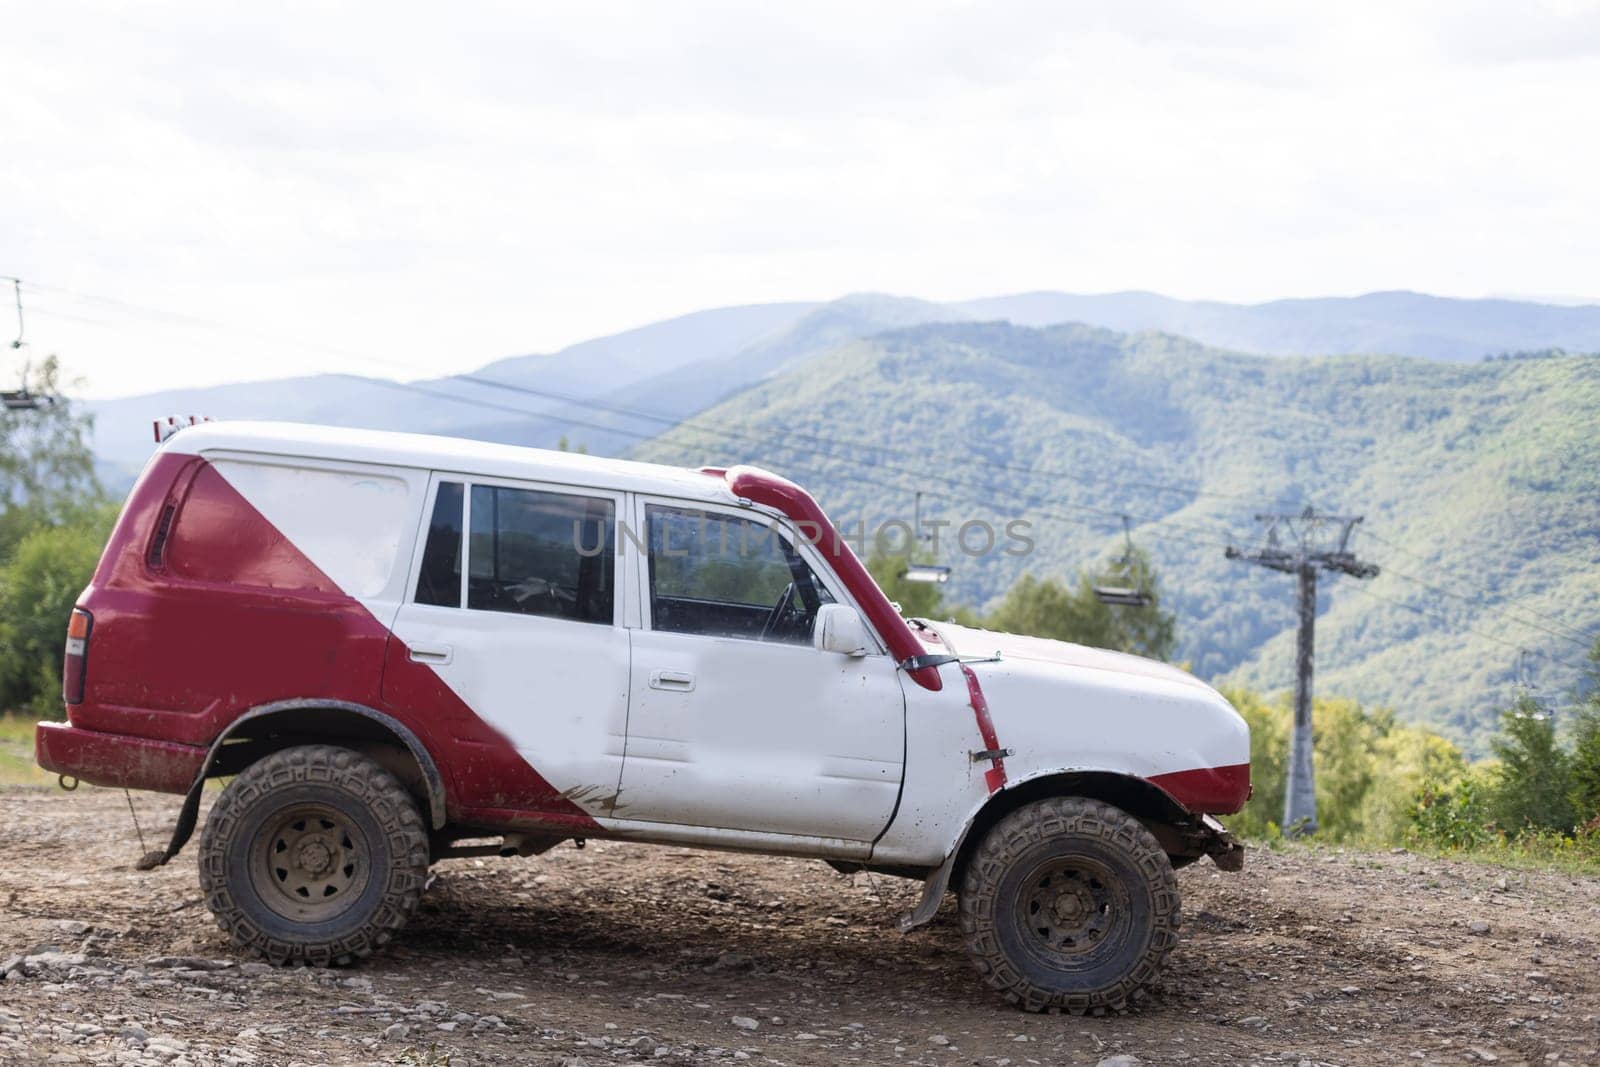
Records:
x=365, y=781
x=1050, y=819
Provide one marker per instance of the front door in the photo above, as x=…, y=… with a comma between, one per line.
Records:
x=736, y=721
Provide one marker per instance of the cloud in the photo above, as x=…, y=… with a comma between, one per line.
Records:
x=448, y=188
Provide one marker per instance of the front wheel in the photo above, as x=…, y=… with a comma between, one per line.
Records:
x=315, y=854
x=1069, y=904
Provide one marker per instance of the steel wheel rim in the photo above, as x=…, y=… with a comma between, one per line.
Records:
x=1071, y=911
x=310, y=863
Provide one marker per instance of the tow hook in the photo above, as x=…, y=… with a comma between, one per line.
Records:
x=63, y=779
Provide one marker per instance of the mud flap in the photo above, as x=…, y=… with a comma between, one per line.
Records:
x=188, y=815
x=932, y=894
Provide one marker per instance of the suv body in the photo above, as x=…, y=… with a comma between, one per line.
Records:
x=541, y=646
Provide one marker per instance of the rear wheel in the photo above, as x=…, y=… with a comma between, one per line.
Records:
x=1069, y=904
x=315, y=854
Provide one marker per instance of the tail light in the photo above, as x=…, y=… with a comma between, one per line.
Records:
x=77, y=657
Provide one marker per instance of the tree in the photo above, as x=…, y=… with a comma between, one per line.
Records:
x=1532, y=788
x=53, y=521
x=917, y=600
x=1049, y=608
x=1585, y=770
x=1585, y=786
x=46, y=466
x=38, y=586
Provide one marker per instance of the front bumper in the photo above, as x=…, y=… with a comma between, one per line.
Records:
x=1224, y=849
x=116, y=759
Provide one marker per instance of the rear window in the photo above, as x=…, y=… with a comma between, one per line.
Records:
x=348, y=524
x=537, y=553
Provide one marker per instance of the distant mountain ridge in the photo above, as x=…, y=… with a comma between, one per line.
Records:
x=681, y=365
x=1389, y=323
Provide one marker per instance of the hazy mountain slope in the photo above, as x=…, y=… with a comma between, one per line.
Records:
x=587, y=369
x=688, y=389
x=680, y=365
x=1484, y=475
x=603, y=364
x=1399, y=323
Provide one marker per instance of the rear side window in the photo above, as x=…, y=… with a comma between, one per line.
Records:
x=539, y=553
x=439, y=582
x=259, y=524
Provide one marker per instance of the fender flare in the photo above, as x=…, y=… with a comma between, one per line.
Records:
x=189, y=814
x=1014, y=794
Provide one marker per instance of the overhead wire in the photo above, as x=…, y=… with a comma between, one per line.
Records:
x=691, y=424
x=1366, y=591
x=1571, y=633
x=664, y=418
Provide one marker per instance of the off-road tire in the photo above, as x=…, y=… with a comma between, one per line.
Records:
x=364, y=837
x=1123, y=883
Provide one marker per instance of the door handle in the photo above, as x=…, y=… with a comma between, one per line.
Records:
x=438, y=655
x=676, y=681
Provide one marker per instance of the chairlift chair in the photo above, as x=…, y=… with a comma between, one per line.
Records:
x=1122, y=596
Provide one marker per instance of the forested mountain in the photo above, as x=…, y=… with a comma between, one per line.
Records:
x=1480, y=483
x=677, y=367
x=1396, y=323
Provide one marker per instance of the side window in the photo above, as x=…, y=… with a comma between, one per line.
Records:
x=537, y=553
x=256, y=524
x=439, y=579
x=728, y=576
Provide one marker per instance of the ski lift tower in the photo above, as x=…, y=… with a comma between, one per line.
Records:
x=1300, y=545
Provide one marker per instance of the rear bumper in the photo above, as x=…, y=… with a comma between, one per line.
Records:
x=116, y=759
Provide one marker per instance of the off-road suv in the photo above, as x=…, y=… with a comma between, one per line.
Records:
x=394, y=644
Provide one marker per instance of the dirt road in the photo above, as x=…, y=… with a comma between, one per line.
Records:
x=621, y=953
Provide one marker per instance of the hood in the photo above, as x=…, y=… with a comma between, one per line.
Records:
x=970, y=642
x=1055, y=707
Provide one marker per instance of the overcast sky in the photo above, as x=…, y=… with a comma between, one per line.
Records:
x=463, y=182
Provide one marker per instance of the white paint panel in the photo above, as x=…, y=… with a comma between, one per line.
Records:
x=349, y=523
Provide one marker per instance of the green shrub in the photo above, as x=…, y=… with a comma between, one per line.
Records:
x=38, y=585
x=1452, y=816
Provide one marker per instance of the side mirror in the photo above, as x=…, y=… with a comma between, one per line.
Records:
x=839, y=629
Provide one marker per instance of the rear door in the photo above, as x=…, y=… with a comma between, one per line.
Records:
x=522, y=620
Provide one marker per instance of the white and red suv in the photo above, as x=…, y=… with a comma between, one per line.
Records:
x=394, y=643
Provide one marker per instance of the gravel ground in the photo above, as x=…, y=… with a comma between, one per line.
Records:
x=620, y=953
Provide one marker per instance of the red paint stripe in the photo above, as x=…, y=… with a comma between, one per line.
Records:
x=995, y=776
x=1210, y=790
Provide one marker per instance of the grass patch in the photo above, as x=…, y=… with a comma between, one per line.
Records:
x=16, y=752
x=1528, y=852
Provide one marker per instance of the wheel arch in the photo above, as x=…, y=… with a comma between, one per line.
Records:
x=1137, y=796
x=278, y=725
x=269, y=728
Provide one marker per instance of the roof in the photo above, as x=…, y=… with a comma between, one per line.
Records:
x=450, y=454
